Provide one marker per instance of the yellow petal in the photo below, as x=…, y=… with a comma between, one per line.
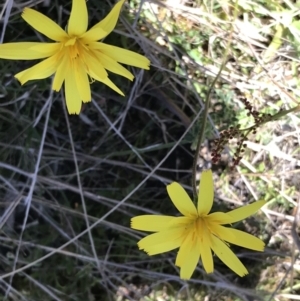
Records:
x=188, y=268
x=44, y=25
x=97, y=71
x=160, y=237
x=219, y=218
x=26, y=50
x=242, y=239
x=181, y=199
x=245, y=211
x=206, y=192
x=182, y=221
x=61, y=73
x=166, y=246
x=73, y=99
x=112, y=66
x=220, y=231
x=39, y=71
x=94, y=66
x=78, y=21
x=122, y=56
x=107, y=25
x=205, y=252
x=110, y=84
x=228, y=257
x=49, y=48
x=82, y=81
x=188, y=257
x=184, y=249
x=92, y=35
x=152, y=223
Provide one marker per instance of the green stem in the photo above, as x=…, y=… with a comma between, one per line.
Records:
x=282, y=113
x=206, y=108
x=274, y=117
x=202, y=129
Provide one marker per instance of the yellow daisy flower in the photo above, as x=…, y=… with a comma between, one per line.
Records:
x=75, y=55
x=198, y=232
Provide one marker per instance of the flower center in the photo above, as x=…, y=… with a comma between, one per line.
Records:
x=201, y=228
x=73, y=45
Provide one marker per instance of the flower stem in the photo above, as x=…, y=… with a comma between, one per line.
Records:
x=206, y=107
x=203, y=126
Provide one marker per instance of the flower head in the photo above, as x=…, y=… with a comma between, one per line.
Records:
x=198, y=232
x=76, y=57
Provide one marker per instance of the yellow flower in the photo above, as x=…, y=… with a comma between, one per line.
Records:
x=75, y=55
x=197, y=233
